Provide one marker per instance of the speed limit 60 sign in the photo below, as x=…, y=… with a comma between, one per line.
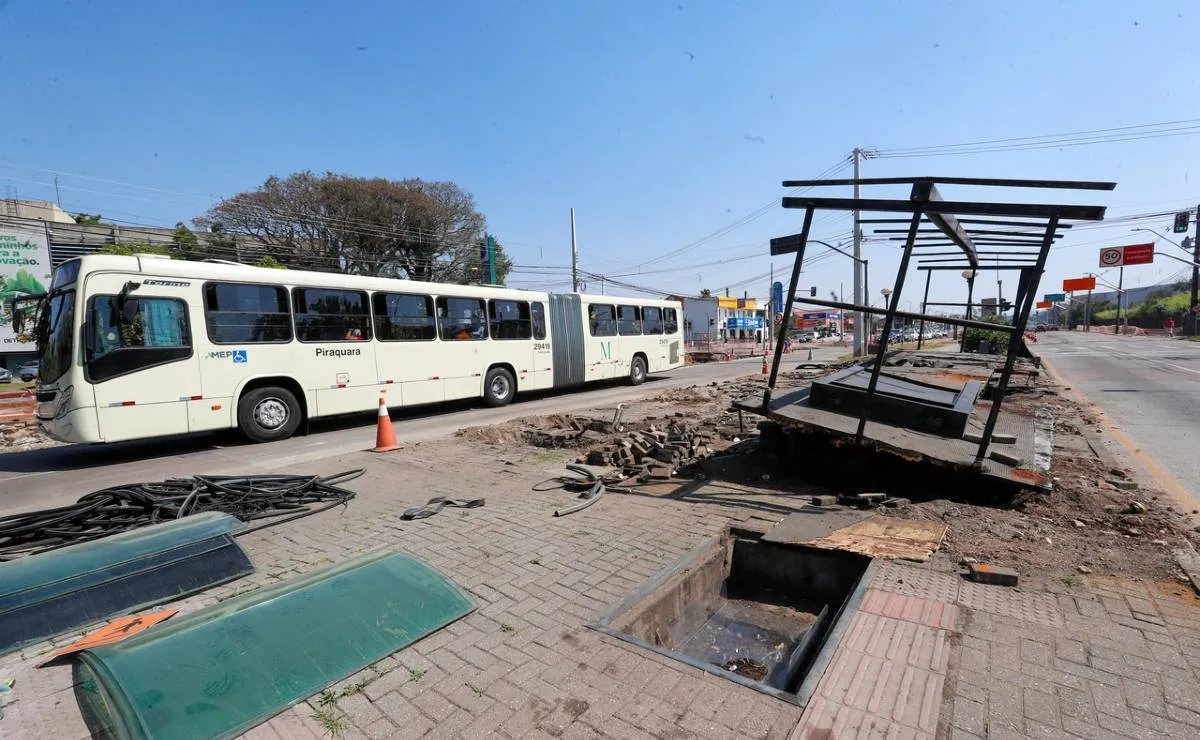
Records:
x=1130, y=254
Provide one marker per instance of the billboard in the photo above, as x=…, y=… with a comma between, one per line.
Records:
x=746, y=322
x=24, y=271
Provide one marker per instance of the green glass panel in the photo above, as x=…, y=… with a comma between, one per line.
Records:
x=62, y=565
x=221, y=670
x=61, y=590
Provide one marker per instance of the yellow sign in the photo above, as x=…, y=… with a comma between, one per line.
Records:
x=727, y=302
x=748, y=303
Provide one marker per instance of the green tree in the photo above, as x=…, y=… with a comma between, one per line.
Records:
x=187, y=244
x=270, y=262
x=129, y=250
x=706, y=293
x=87, y=219
x=411, y=228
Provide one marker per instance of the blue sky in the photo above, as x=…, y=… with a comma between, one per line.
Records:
x=662, y=123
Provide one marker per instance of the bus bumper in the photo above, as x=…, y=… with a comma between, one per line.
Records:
x=77, y=425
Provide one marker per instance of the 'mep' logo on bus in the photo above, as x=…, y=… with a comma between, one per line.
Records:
x=237, y=355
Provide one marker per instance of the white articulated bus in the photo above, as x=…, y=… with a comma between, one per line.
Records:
x=145, y=346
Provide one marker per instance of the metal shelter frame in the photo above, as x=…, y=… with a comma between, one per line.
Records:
x=931, y=221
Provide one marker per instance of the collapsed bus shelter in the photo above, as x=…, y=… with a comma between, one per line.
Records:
x=941, y=235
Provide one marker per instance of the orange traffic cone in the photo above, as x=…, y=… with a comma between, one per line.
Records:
x=385, y=436
x=765, y=371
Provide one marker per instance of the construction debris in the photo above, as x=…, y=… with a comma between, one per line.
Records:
x=438, y=503
x=995, y=575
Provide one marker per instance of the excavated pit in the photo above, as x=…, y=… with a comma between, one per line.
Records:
x=757, y=613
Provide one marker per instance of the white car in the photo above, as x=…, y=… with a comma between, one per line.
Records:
x=5, y=375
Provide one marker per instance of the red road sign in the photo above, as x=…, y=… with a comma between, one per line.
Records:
x=1070, y=285
x=1045, y=304
x=1130, y=254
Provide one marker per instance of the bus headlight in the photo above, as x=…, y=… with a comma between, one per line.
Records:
x=64, y=401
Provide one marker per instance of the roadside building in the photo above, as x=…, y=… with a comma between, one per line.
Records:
x=724, y=319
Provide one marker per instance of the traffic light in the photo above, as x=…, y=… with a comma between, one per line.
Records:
x=1181, y=222
x=812, y=292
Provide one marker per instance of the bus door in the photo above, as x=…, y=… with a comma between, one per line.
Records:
x=139, y=357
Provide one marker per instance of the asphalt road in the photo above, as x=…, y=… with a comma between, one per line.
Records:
x=59, y=475
x=1148, y=387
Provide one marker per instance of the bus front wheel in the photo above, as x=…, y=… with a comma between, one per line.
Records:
x=268, y=414
x=499, y=387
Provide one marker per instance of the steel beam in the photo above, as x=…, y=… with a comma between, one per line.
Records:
x=967, y=208
x=987, y=181
x=902, y=314
x=888, y=317
x=1020, y=322
x=787, y=310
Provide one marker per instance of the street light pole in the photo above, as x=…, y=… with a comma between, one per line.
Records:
x=1195, y=276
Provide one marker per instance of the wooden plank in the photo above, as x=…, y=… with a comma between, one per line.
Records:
x=887, y=537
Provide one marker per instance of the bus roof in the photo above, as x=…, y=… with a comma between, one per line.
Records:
x=227, y=271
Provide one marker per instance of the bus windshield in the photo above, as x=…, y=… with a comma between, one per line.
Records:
x=54, y=336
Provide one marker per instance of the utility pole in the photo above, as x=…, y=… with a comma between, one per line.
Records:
x=1196, y=277
x=57, y=194
x=770, y=310
x=574, y=257
x=859, y=329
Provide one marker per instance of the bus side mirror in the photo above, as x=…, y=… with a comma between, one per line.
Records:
x=129, y=310
x=127, y=307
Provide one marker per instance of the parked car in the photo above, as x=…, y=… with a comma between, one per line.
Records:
x=28, y=371
x=5, y=375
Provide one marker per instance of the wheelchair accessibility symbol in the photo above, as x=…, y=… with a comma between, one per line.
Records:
x=239, y=355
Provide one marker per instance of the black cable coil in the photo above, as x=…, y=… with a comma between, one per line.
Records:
x=109, y=511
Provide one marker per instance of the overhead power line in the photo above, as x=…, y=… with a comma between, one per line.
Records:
x=1186, y=127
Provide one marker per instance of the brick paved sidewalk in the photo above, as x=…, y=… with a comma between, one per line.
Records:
x=926, y=655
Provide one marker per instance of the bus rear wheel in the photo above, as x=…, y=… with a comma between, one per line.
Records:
x=637, y=371
x=499, y=387
x=268, y=414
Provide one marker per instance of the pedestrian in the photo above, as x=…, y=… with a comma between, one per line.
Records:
x=1169, y=325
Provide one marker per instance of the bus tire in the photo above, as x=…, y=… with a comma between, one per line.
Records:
x=637, y=371
x=268, y=414
x=499, y=387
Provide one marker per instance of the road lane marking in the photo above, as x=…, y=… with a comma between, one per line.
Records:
x=1185, y=369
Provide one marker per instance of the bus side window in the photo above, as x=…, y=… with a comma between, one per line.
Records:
x=602, y=319
x=670, y=321
x=244, y=313
x=404, y=318
x=510, y=320
x=330, y=315
x=652, y=320
x=462, y=318
x=629, y=322
x=538, y=311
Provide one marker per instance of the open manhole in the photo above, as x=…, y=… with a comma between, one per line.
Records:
x=758, y=613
